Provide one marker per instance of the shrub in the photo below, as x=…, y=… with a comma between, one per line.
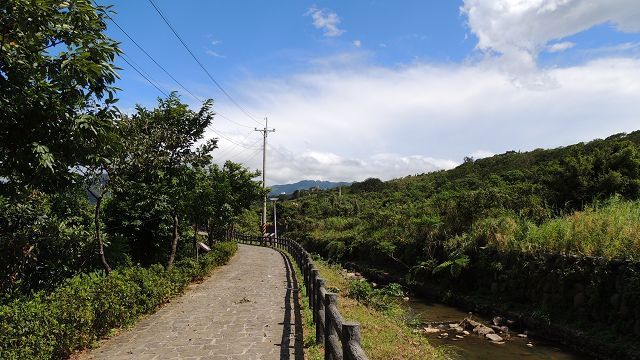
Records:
x=359, y=290
x=383, y=299
x=89, y=306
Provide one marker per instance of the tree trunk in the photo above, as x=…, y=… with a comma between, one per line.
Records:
x=174, y=242
x=210, y=232
x=99, y=236
x=195, y=239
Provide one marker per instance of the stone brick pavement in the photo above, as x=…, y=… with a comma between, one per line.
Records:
x=248, y=309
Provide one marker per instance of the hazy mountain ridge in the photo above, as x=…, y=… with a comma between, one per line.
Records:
x=305, y=185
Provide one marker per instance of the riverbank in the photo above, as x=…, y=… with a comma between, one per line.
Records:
x=601, y=341
x=474, y=337
x=385, y=335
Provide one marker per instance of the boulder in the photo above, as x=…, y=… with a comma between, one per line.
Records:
x=494, y=337
x=496, y=328
x=430, y=330
x=483, y=330
x=470, y=324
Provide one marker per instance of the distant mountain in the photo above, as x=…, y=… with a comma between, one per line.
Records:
x=305, y=185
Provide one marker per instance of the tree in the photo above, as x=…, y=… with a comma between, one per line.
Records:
x=56, y=76
x=155, y=169
x=220, y=195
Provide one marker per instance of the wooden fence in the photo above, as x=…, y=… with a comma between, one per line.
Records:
x=340, y=338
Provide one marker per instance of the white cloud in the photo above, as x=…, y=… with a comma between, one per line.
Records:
x=352, y=122
x=624, y=48
x=560, y=47
x=481, y=154
x=326, y=20
x=357, y=43
x=518, y=30
x=215, y=54
x=288, y=166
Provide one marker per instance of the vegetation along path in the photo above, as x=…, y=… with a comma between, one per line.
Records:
x=247, y=309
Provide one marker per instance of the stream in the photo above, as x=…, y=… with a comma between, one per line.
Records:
x=474, y=346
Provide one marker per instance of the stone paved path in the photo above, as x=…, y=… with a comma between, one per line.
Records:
x=247, y=309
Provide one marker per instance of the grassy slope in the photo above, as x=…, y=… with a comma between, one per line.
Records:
x=384, y=335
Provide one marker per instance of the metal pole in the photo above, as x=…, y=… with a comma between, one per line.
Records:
x=265, y=132
x=264, y=177
x=275, y=220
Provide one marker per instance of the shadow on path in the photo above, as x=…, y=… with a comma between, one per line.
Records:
x=292, y=295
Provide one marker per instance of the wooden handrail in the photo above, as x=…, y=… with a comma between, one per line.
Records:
x=341, y=339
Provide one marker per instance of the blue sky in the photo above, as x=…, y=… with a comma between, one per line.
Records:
x=239, y=39
x=391, y=88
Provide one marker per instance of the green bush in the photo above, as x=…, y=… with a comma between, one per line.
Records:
x=359, y=290
x=88, y=306
x=383, y=299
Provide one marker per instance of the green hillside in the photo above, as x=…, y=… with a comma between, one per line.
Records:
x=579, y=199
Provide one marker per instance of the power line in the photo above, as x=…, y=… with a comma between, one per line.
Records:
x=232, y=152
x=153, y=59
x=200, y=64
x=237, y=152
x=232, y=121
x=164, y=69
x=217, y=132
x=144, y=76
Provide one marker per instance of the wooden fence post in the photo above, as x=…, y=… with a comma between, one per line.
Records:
x=330, y=333
x=351, y=348
x=315, y=273
x=321, y=314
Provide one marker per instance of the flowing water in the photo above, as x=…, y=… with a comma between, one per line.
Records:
x=476, y=347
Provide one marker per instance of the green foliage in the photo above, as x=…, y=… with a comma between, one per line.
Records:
x=609, y=229
x=222, y=195
x=88, y=306
x=359, y=290
x=540, y=201
x=369, y=185
x=44, y=239
x=384, y=299
x=155, y=176
x=56, y=89
x=455, y=266
x=149, y=175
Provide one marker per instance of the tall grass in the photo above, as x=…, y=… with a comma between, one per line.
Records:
x=610, y=229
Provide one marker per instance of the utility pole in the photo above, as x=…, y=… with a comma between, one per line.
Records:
x=275, y=218
x=265, y=132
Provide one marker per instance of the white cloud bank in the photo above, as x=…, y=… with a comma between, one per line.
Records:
x=518, y=30
x=346, y=119
x=325, y=20
x=356, y=122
